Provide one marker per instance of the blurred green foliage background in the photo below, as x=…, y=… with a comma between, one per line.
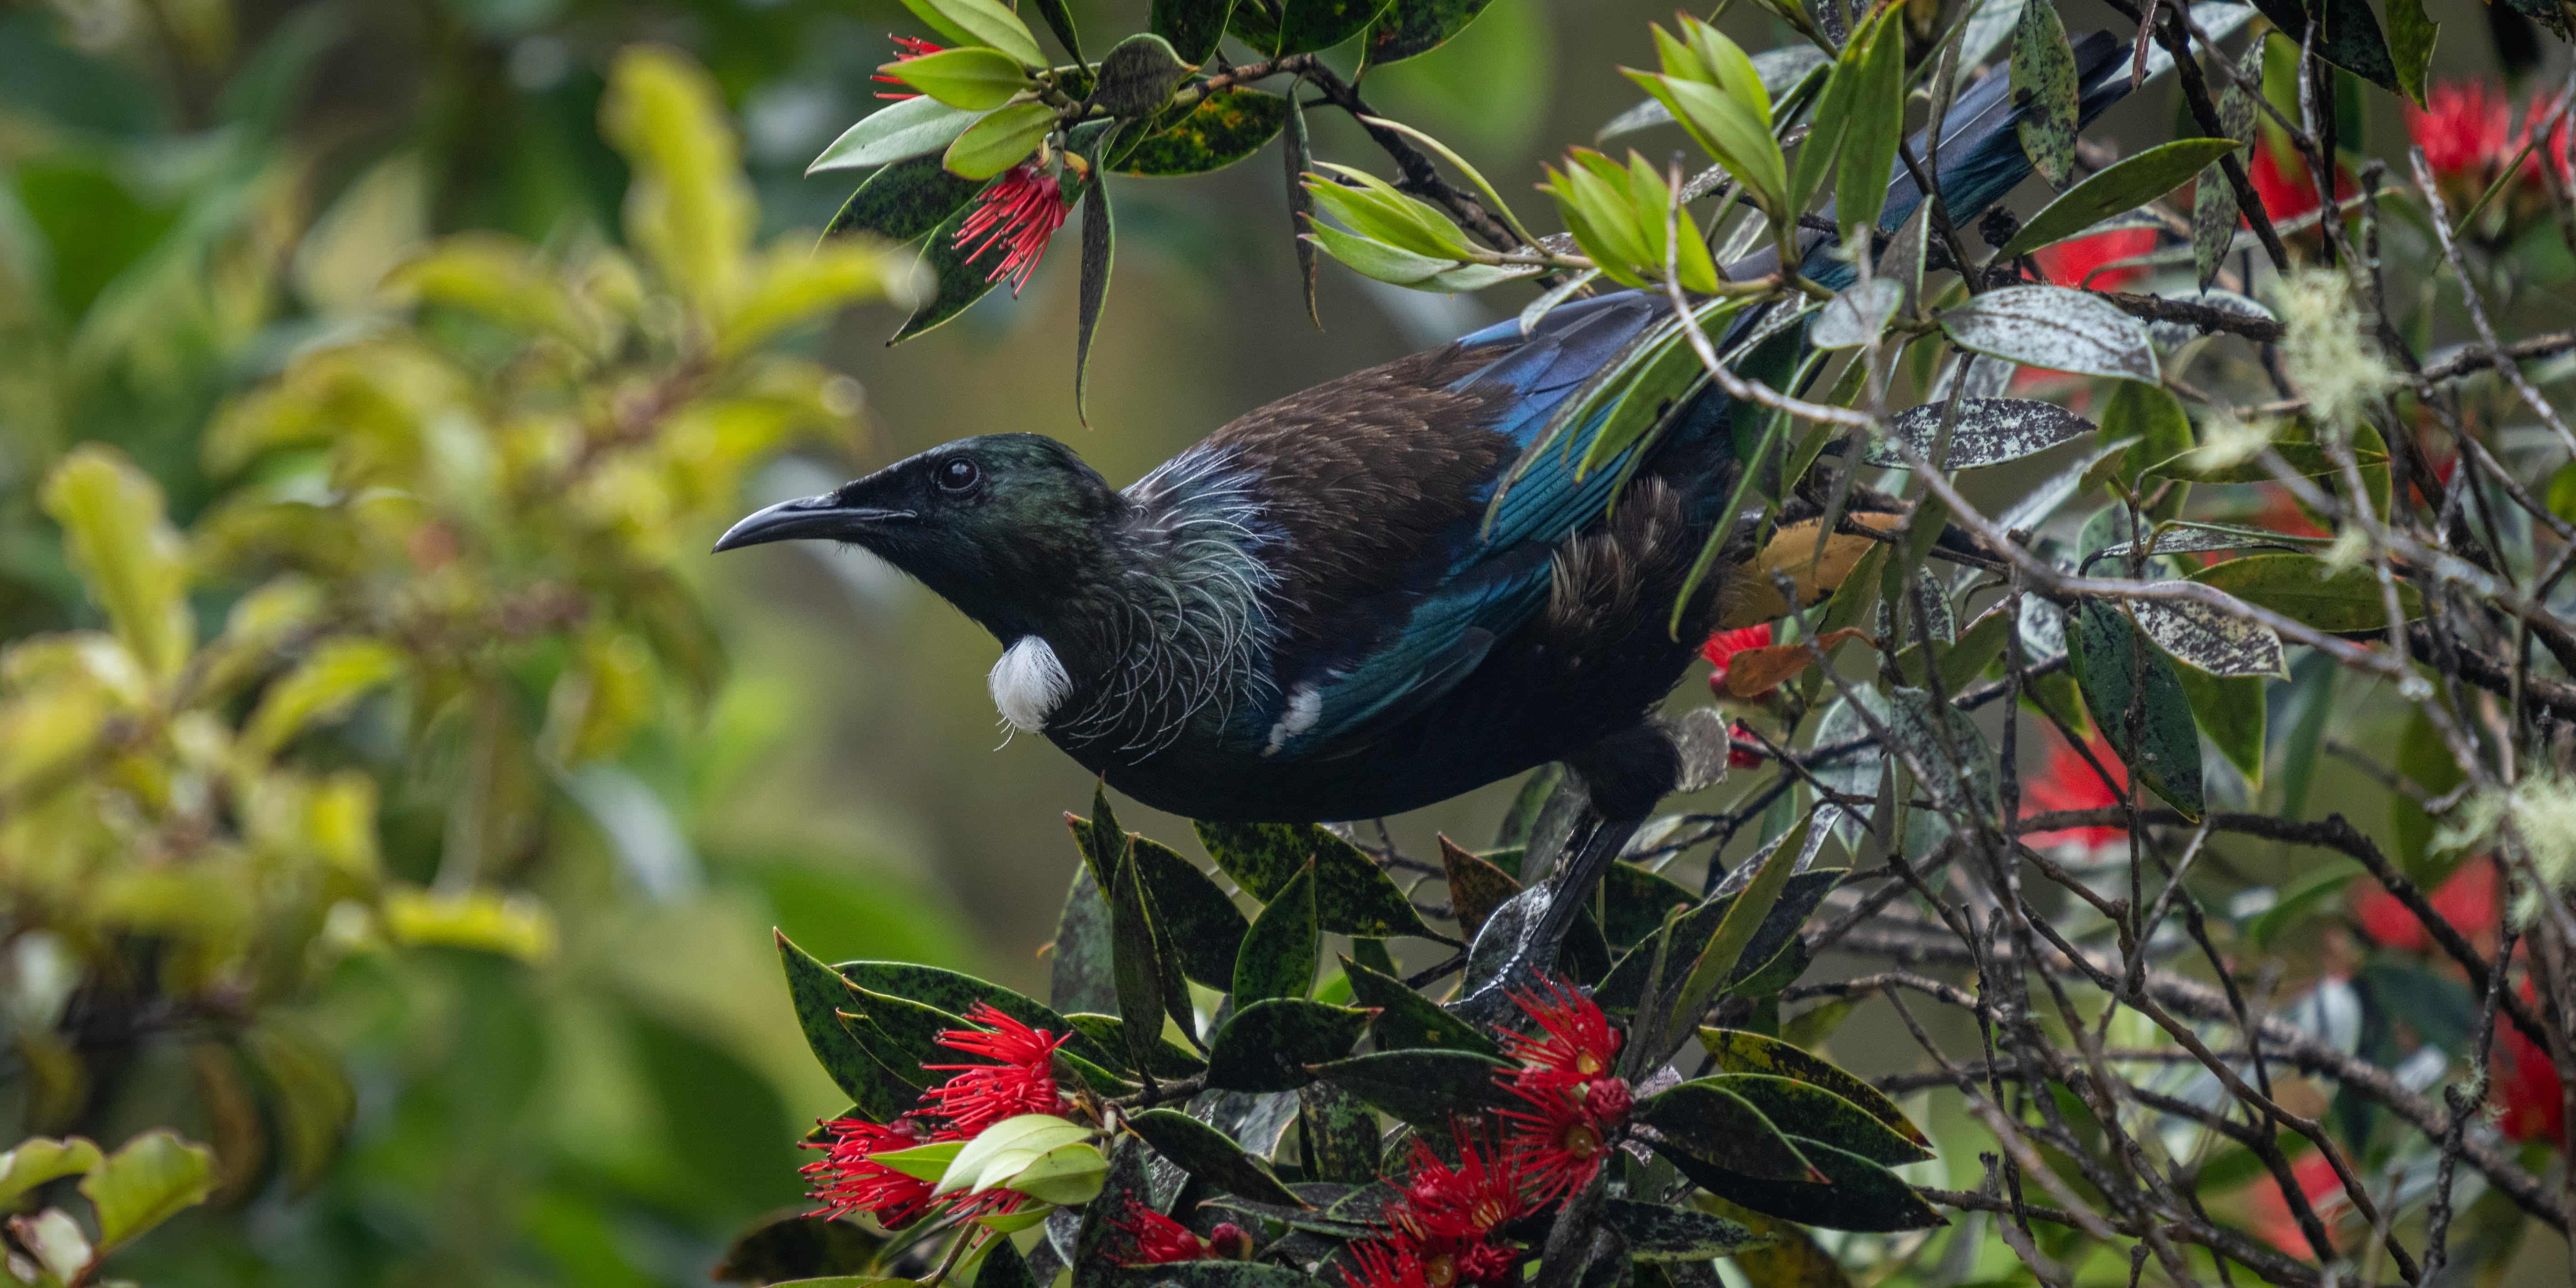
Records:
x=568, y=1057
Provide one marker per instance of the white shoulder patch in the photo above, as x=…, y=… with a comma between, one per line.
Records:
x=1305, y=706
x=1028, y=684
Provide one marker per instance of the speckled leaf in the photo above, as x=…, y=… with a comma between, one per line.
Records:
x=1206, y=1153
x=1102, y=842
x=1424, y=1088
x=1408, y=1021
x=2106, y=651
x=1277, y=958
x=1861, y=1195
x=1224, y=128
x=1193, y=26
x=1170, y=1059
x=1738, y=1051
x=1302, y=26
x=1138, y=76
x=1413, y=27
x=1635, y=901
x=1100, y=1233
x=1099, y=253
x=2347, y=36
x=2210, y=641
x=1137, y=964
x=901, y=1033
x=2043, y=76
x=956, y=281
x=2126, y=184
x=1476, y=886
x=1655, y=1232
x=820, y=995
x=1716, y=1125
x=2053, y=327
x=2307, y=589
x=1340, y=1132
x=1192, y=912
x=1624, y=987
x=1268, y=1046
x=2411, y=33
x=1988, y=431
x=1822, y=1115
x=1078, y=965
x=1857, y=315
x=1321, y=1197
x=904, y=201
x=1945, y=744
x=1353, y=896
x=957, y=993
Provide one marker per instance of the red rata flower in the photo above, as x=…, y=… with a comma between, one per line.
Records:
x=1019, y=212
x=1158, y=1240
x=2527, y=1090
x=2467, y=900
x=1574, y=1102
x=2466, y=134
x=983, y=1094
x=1738, y=754
x=2073, y=263
x=849, y=1179
x=2273, y=1218
x=2067, y=783
x=1386, y=1263
x=906, y=49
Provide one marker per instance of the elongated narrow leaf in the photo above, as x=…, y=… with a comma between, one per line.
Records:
x=1408, y=1021
x=1099, y=244
x=1859, y=1195
x=2051, y=326
x=1711, y=1123
x=1353, y=896
x=905, y=128
x=980, y=22
x=2044, y=80
x=1302, y=26
x=1298, y=155
x=1203, y=926
x=1278, y=956
x=958, y=279
x=1988, y=431
x=2348, y=36
x=1210, y=1155
x=1877, y=105
x=2230, y=712
x=2411, y=33
x=2307, y=589
x=2110, y=659
x=1269, y=1046
x=2130, y=182
x=1424, y=1088
x=1136, y=965
x=1656, y=1232
x=1739, y=1051
x=130, y=558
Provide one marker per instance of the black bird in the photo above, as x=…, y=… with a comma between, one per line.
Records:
x=1310, y=615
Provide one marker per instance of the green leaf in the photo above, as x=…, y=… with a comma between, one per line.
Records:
x=1202, y=924
x=1277, y=958
x=2307, y=589
x=1302, y=26
x=956, y=993
x=1000, y=140
x=819, y=995
x=972, y=78
x=1986, y=431
x=1623, y=989
x=1269, y=1046
x=1828, y=124
x=1340, y=1132
x=1065, y=1175
x=1729, y=132
x=1408, y=1021
x=2151, y=415
x=2107, y=654
x=1877, y=107
x=1477, y=885
x=1634, y=902
x=1410, y=28
x=1715, y=963
x=1136, y=963
x=1078, y=963
x=2053, y=327
x=1001, y=1151
x=1823, y=1115
x=1100, y=1232
x=131, y=560
x=1737, y=1051
x=980, y=22
x=1375, y=259
x=1138, y=76
x=1353, y=896
x=1210, y=1155
x=956, y=280
x=1860, y=1195
x=2044, y=81
x=153, y=1178
x=1712, y=1123
x=2423, y=757
x=320, y=688
x=796, y=1248
x=922, y=1162
x=1099, y=245
x=906, y=128
x=313, y=1104
x=2348, y=36
x=39, y=1159
x=1059, y=19
x=2230, y=713
x=1224, y=128
x=1656, y=1232
x=1171, y=1060
x=1424, y=1088
x=2411, y=33
x=1102, y=842
x=1192, y=26
x=2130, y=182
x=2296, y=904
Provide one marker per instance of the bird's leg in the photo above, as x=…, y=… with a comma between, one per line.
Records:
x=1626, y=775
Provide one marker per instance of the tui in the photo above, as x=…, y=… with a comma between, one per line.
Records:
x=1309, y=614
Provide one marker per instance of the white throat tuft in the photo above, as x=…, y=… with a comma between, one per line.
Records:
x=1029, y=683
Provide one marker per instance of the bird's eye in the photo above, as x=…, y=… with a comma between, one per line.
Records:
x=958, y=474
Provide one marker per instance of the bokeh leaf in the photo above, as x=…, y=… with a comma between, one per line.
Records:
x=120, y=539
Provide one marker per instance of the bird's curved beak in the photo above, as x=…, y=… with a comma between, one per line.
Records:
x=813, y=516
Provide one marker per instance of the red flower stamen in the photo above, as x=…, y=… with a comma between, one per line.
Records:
x=2527, y=1091
x=983, y=1094
x=1574, y=1042
x=1721, y=648
x=847, y=1178
x=2066, y=782
x=1385, y=1263
x=2084, y=261
x=2467, y=900
x=1155, y=1239
x=1020, y=211
x=1467, y=1202
x=907, y=48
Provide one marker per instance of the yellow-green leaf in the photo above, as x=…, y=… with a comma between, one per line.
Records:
x=999, y=141
x=689, y=207
x=483, y=920
x=155, y=1177
x=972, y=78
x=121, y=540
x=39, y=1159
x=502, y=278
x=339, y=672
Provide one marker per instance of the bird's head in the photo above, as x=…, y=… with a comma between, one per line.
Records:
x=1005, y=526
